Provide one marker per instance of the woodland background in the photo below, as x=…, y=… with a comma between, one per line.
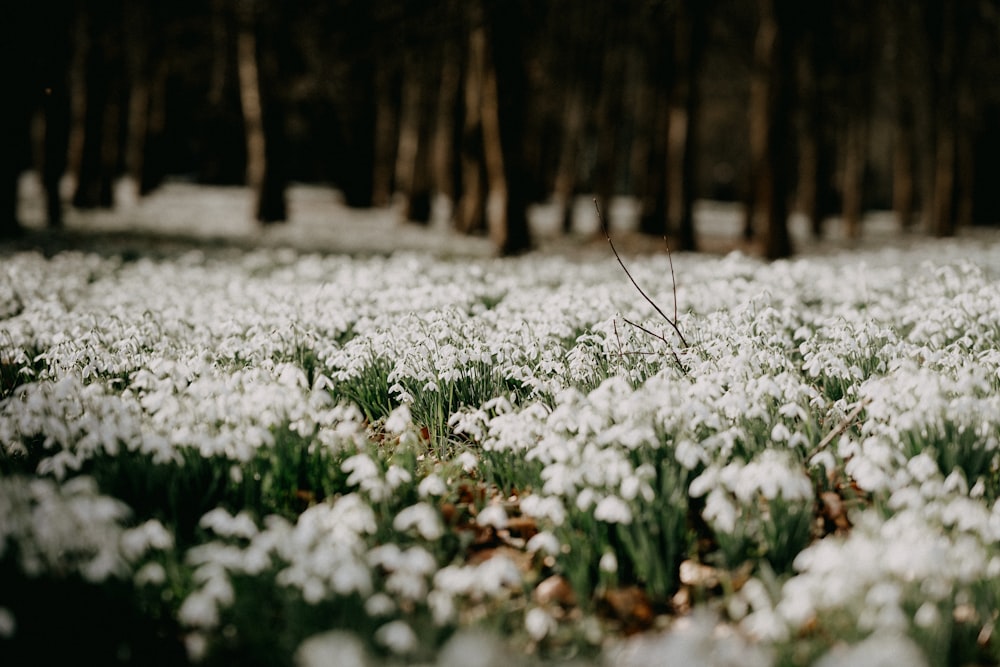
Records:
x=827, y=108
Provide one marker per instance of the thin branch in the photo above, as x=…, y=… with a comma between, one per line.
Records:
x=673, y=282
x=841, y=427
x=671, y=322
x=660, y=337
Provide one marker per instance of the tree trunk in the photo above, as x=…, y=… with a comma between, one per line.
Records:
x=413, y=153
x=153, y=167
x=386, y=129
x=100, y=153
x=607, y=119
x=272, y=205
x=770, y=103
x=504, y=108
x=471, y=210
x=689, y=45
x=855, y=142
x=443, y=145
x=904, y=166
x=250, y=102
x=815, y=159
x=137, y=66
x=564, y=187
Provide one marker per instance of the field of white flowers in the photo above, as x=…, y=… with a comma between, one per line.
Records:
x=280, y=458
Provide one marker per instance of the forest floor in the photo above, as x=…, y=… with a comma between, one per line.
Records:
x=180, y=216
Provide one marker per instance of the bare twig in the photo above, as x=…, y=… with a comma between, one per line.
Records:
x=671, y=322
x=841, y=427
x=673, y=282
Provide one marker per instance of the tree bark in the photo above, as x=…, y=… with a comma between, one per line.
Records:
x=100, y=151
x=263, y=119
x=443, y=145
x=770, y=106
x=504, y=108
x=387, y=128
x=689, y=45
x=250, y=102
x=815, y=154
x=413, y=153
x=564, y=186
x=852, y=187
x=471, y=210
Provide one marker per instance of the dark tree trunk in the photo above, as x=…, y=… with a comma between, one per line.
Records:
x=564, y=187
x=608, y=113
x=689, y=45
x=815, y=155
x=413, y=154
x=470, y=211
x=504, y=111
x=770, y=116
x=154, y=168
x=446, y=113
x=948, y=26
x=386, y=130
x=100, y=152
x=272, y=204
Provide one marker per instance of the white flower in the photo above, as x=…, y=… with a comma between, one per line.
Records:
x=396, y=476
x=223, y=524
x=421, y=516
x=150, y=574
x=335, y=647
x=543, y=541
x=608, y=562
x=544, y=507
x=432, y=485
x=493, y=515
x=399, y=420
x=539, y=623
x=361, y=468
x=8, y=625
x=613, y=510
x=878, y=650
x=397, y=636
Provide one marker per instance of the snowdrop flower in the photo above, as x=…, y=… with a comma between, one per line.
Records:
x=549, y=508
x=608, y=563
x=698, y=639
x=335, y=647
x=379, y=604
x=432, y=485
x=878, y=650
x=150, y=574
x=539, y=623
x=544, y=542
x=421, y=516
x=396, y=476
x=8, y=625
x=492, y=515
x=399, y=420
x=613, y=509
x=397, y=636
x=224, y=524
x=468, y=461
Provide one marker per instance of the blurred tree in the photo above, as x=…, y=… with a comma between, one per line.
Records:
x=814, y=68
x=770, y=116
x=503, y=101
x=103, y=94
x=263, y=117
x=854, y=44
x=947, y=26
x=690, y=41
x=902, y=18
